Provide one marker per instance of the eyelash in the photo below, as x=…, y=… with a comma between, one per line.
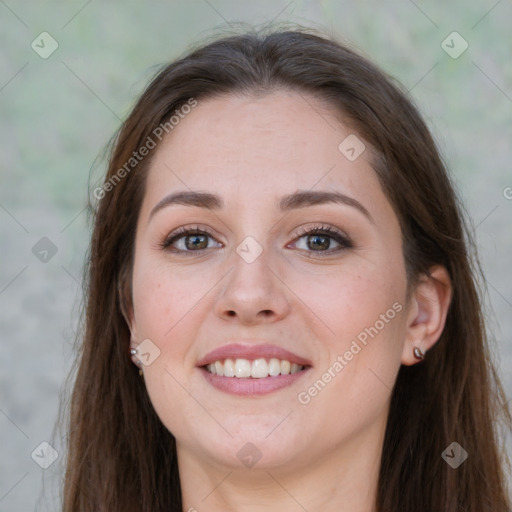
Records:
x=330, y=232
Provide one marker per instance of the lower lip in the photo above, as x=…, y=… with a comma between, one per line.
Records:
x=250, y=386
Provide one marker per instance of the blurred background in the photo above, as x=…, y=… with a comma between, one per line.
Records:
x=69, y=73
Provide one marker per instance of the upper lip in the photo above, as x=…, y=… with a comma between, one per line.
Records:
x=251, y=351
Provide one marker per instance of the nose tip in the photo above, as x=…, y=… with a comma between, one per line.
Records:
x=252, y=293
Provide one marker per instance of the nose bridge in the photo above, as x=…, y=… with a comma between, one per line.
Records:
x=251, y=274
x=252, y=288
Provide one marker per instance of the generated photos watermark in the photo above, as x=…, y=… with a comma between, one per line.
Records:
x=342, y=360
x=137, y=156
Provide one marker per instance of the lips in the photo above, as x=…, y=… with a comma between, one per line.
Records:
x=252, y=369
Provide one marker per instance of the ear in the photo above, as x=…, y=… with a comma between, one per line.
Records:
x=427, y=311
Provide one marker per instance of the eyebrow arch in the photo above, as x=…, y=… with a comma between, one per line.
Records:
x=297, y=200
x=304, y=198
x=189, y=198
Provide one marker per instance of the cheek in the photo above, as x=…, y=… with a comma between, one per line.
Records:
x=165, y=301
x=350, y=298
x=362, y=309
x=162, y=296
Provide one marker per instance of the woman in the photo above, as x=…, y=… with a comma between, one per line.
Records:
x=279, y=250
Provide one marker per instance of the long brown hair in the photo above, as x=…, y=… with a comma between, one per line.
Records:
x=122, y=458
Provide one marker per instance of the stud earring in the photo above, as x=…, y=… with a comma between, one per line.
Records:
x=133, y=351
x=418, y=354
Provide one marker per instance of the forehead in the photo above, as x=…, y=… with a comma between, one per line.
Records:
x=249, y=147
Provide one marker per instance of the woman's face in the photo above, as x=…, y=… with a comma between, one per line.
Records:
x=250, y=294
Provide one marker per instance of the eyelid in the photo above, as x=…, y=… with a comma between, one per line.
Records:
x=319, y=227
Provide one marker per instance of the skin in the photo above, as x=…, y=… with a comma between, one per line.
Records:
x=251, y=151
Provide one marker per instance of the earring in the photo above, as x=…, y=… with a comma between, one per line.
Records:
x=133, y=351
x=418, y=354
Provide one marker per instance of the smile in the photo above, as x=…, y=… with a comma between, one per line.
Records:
x=252, y=368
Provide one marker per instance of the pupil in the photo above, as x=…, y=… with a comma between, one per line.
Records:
x=195, y=244
x=320, y=245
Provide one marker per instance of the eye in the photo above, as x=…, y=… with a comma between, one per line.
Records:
x=319, y=239
x=187, y=240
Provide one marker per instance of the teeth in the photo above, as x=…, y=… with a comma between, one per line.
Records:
x=257, y=369
x=242, y=368
x=294, y=369
x=229, y=368
x=274, y=367
x=285, y=367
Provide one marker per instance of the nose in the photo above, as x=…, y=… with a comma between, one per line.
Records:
x=253, y=293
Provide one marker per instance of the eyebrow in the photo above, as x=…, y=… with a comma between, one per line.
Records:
x=297, y=200
x=305, y=198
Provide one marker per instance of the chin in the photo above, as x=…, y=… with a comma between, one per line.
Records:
x=250, y=447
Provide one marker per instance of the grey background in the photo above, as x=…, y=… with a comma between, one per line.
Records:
x=56, y=115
